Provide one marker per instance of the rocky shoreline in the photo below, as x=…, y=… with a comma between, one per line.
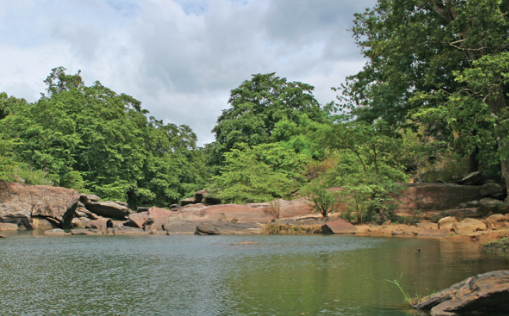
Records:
x=444, y=211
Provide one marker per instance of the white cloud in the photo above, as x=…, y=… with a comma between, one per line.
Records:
x=179, y=57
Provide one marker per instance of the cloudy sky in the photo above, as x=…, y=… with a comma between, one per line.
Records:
x=180, y=58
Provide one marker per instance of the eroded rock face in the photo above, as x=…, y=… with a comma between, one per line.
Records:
x=484, y=293
x=447, y=222
x=20, y=202
x=435, y=197
x=339, y=226
x=468, y=225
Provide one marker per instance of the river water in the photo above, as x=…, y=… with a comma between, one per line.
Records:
x=208, y=275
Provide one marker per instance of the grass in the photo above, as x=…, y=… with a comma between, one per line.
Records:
x=410, y=300
x=502, y=244
x=276, y=228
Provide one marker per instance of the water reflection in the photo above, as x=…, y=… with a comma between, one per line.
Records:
x=189, y=275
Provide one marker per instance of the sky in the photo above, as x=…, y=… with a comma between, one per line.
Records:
x=180, y=58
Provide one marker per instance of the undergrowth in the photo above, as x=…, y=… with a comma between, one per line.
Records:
x=502, y=244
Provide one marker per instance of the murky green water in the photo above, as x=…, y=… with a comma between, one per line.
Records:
x=193, y=275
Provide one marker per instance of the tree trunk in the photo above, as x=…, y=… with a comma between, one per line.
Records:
x=473, y=162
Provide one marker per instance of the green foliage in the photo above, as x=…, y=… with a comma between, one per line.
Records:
x=277, y=228
x=502, y=244
x=262, y=173
x=321, y=200
x=92, y=139
x=257, y=105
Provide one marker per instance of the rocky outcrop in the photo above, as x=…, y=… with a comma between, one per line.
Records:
x=484, y=293
x=447, y=222
x=206, y=229
x=435, y=197
x=109, y=209
x=20, y=203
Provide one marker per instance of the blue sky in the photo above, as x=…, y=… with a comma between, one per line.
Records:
x=179, y=57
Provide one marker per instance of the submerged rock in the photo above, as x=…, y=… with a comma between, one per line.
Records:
x=484, y=293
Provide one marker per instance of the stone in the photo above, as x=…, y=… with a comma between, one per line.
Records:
x=8, y=226
x=136, y=219
x=44, y=223
x=56, y=232
x=199, y=196
x=87, y=232
x=485, y=294
x=490, y=205
x=434, y=233
x=108, y=209
x=427, y=225
x=206, y=229
x=491, y=190
x=141, y=209
x=20, y=202
x=497, y=221
x=472, y=178
x=130, y=231
x=434, y=197
x=121, y=203
x=468, y=225
x=447, y=222
x=245, y=243
x=187, y=201
x=87, y=198
x=464, y=213
x=340, y=226
x=101, y=224
x=210, y=200
x=77, y=223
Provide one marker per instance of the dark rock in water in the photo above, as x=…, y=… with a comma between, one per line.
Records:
x=473, y=178
x=206, y=229
x=108, y=209
x=484, y=293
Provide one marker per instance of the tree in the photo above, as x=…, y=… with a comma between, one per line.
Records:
x=418, y=52
x=257, y=105
x=263, y=173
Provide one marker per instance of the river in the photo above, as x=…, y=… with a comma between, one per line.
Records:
x=208, y=275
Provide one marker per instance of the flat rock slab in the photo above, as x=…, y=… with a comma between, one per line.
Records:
x=340, y=226
x=484, y=293
x=108, y=209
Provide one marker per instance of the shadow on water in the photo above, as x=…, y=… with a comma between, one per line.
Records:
x=191, y=275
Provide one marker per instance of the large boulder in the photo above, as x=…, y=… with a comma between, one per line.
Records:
x=435, y=197
x=484, y=293
x=468, y=225
x=108, y=209
x=490, y=205
x=206, y=229
x=493, y=190
x=447, y=222
x=498, y=221
x=19, y=203
x=339, y=226
x=473, y=178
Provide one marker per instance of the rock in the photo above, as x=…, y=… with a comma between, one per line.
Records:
x=447, y=222
x=206, y=229
x=44, y=223
x=491, y=190
x=108, y=209
x=101, y=224
x=56, y=232
x=434, y=233
x=187, y=201
x=464, y=213
x=435, y=197
x=141, y=209
x=87, y=232
x=473, y=203
x=427, y=225
x=484, y=293
x=468, y=225
x=497, y=221
x=180, y=227
x=2, y=236
x=136, y=220
x=77, y=223
x=87, y=198
x=8, y=226
x=304, y=220
x=199, y=196
x=490, y=205
x=20, y=202
x=340, y=226
x=210, y=200
x=129, y=231
x=245, y=243
x=121, y=203
x=473, y=178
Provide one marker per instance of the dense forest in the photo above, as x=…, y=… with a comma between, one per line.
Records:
x=429, y=105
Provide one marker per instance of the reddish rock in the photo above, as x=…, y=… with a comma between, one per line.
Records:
x=136, y=219
x=20, y=202
x=340, y=226
x=108, y=209
x=435, y=197
x=101, y=224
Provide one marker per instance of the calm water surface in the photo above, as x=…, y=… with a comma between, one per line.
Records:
x=194, y=275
